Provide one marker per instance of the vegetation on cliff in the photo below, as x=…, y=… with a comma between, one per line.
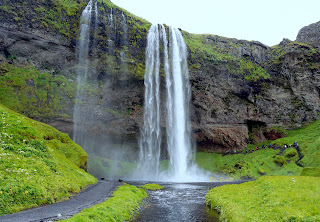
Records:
x=206, y=51
x=121, y=206
x=38, y=164
x=272, y=198
x=35, y=94
x=59, y=15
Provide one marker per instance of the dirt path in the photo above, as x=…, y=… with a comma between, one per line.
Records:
x=86, y=198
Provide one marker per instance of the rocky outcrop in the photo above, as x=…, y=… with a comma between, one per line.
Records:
x=23, y=48
x=239, y=87
x=310, y=34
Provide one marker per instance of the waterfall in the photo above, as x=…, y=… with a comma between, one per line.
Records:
x=124, y=44
x=178, y=97
x=176, y=111
x=82, y=70
x=150, y=132
x=110, y=17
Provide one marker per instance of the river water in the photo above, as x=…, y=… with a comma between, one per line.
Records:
x=179, y=202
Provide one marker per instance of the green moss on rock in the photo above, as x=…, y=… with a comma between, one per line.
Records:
x=280, y=161
x=35, y=94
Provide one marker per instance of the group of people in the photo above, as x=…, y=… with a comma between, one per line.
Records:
x=270, y=146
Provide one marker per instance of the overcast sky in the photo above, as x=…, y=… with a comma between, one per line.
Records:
x=267, y=21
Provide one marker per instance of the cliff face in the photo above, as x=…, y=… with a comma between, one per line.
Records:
x=238, y=87
x=310, y=34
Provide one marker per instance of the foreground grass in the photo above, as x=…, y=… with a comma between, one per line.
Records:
x=120, y=207
x=38, y=164
x=271, y=198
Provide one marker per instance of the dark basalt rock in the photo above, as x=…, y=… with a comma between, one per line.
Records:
x=310, y=34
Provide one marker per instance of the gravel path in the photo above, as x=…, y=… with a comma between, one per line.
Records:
x=85, y=199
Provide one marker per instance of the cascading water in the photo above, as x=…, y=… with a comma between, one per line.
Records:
x=150, y=133
x=124, y=45
x=178, y=130
x=111, y=26
x=80, y=112
x=178, y=97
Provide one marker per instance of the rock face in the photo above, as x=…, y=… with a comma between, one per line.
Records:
x=49, y=55
x=239, y=88
x=310, y=34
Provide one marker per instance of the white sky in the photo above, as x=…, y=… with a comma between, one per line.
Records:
x=267, y=21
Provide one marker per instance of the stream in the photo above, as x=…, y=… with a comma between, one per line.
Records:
x=179, y=202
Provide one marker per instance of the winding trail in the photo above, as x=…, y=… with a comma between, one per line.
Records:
x=86, y=198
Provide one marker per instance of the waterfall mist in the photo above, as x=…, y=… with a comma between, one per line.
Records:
x=108, y=156
x=83, y=70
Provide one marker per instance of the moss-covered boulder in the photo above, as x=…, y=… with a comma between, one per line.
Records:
x=280, y=161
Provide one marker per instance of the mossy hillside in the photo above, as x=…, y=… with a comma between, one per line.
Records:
x=38, y=164
x=248, y=166
x=152, y=187
x=121, y=206
x=206, y=56
x=311, y=171
x=308, y=138
x=306, y=54
x=271, y=198
x=35, y=94
x=269, y=161
x=55, y=16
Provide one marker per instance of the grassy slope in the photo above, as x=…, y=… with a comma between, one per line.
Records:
x=264, y=162
x=274, y=198
x=38, y=164
x=120, y=207
x=241, y=166
x=309, y=141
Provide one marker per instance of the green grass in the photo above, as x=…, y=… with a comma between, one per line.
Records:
x=311, y=171
x=275, y=198
x=120, y=207
x=308, y=138
x=248, y=166
x=35, y=94
x=38, y=164
x=152, y=187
